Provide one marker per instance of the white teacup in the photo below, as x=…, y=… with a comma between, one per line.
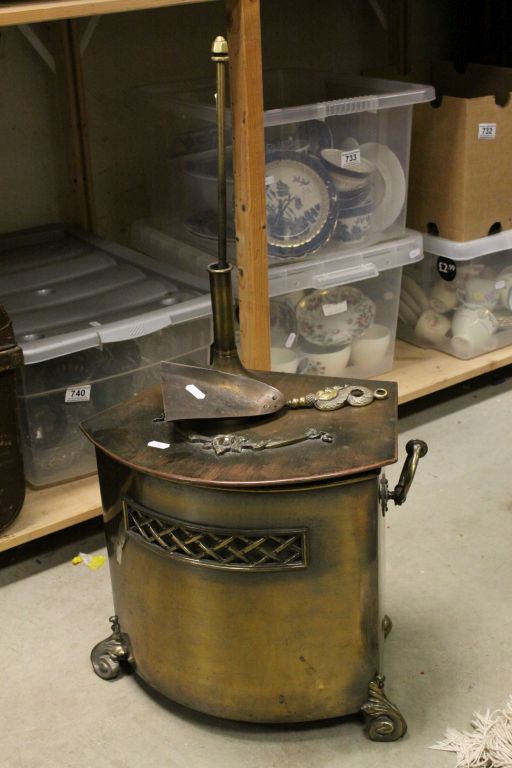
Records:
x=443, y=296
x=369, y=349
x=432, y=327
x=473, y=331
x=284, y=360
x=324, y=361
x=504, y=285
x=481, y=291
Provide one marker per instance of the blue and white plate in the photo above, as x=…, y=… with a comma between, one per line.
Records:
x=301, y=204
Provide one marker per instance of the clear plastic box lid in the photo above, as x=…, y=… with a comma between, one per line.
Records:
x=471, y=249
x=66, y=290
x=335, y=268
x=292, y=96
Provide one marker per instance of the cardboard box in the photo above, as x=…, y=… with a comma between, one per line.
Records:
x=460, y=177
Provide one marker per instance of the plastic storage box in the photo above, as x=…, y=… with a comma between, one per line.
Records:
x=93, y=320
x=459, y=299
x=337, y=155
x=335, y=314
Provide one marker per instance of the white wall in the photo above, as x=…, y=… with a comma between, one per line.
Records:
x=32, y=168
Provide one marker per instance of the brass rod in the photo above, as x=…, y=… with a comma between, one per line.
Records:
x=225, y=354
x=220, y=57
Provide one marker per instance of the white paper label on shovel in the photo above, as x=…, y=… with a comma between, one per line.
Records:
x=487, y=130
x=334, y=309
x=350, y=158
x=158, y=444
x=289, y=341
x=195, y=391
x=80, y=394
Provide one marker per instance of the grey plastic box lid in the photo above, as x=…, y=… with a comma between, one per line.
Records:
x=469, y=249
x=356, y=94
x=67, y=290
x=335, y=268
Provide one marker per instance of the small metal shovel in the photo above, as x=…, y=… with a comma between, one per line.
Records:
x=206, y=393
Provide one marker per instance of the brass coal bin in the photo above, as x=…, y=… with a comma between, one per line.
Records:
x=244, y=552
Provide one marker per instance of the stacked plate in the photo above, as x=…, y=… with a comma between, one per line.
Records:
x=314, y=192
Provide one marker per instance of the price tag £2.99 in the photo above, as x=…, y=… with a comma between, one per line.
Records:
x=79, y=394
x=446, y=268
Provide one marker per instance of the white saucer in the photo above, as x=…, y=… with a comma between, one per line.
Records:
x=390, y=184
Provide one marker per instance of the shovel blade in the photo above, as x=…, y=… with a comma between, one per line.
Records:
x=192, y=392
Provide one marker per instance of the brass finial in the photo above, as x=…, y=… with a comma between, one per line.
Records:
x=220, y=49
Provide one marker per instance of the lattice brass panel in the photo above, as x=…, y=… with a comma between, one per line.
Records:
x=248, y=549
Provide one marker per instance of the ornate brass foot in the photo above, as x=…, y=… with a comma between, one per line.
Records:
x=107, y=655
x=384, y=721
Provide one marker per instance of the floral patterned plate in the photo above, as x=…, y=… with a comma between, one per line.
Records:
x=301, y=204
x=333, y=316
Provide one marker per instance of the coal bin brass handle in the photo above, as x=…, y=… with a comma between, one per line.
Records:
x=416, y=449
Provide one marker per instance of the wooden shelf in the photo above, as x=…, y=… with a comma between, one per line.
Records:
x=51, y=509
x=30, y=13
x=418, y=371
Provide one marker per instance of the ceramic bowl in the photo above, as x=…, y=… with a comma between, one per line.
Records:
x=353, y=224
x=443, y=297
x=370, y=349
x=432, y=326
x=354, y=198
x=481, y=291
x=333, y=316
x=323, y=361
x=504, y=285
x=473, y=331
x=284, y=360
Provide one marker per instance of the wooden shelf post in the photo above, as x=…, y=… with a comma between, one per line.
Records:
x=249, y=167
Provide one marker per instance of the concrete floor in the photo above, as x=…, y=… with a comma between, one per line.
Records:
x=448, y=591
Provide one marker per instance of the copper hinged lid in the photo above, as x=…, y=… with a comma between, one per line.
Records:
x=358, y=439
